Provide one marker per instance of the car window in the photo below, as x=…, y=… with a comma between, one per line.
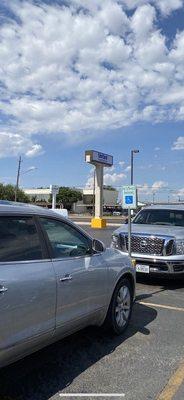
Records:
x=65, y=240
x=19, y=240
x=160, y=217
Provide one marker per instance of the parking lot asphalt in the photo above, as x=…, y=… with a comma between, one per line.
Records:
x=146, y=363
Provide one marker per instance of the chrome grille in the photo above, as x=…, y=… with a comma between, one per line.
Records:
x=144, y=244
x=169, y=247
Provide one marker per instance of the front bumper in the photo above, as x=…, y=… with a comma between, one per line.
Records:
x=157, y=266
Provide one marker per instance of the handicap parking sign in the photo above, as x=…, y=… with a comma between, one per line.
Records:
x=129, y=197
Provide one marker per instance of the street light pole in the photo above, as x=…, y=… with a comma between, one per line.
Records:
x=18, y=176
x=135, y=151
x=132, y=167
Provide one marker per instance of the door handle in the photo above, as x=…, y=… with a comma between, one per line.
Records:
x=3, y=289
x=67, y=277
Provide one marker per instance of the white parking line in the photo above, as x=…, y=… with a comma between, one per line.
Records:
x=92, y=394
x=161, y=306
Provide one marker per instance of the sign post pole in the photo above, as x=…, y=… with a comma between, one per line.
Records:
x=129, y=231
x=130, y=203
x=54, y=190
x=99, y=191
x=53, y=200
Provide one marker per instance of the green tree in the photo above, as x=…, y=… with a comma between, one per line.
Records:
x=68, y=197
x=7, y=192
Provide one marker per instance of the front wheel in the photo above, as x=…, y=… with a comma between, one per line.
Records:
x=120, y=308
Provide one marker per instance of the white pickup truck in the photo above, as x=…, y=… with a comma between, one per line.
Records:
x=157, y=240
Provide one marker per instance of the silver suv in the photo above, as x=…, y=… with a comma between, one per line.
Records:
x=54, y=280
x=157, y=240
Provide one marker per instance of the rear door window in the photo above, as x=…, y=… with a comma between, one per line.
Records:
x=19, y=239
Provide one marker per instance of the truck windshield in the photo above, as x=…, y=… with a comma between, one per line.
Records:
x=160, y=217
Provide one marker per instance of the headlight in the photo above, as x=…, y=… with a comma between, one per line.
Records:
x=180, y=246
x=115, y=242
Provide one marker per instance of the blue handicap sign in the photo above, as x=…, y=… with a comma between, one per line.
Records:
x=129, y=200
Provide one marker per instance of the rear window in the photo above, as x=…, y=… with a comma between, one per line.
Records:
x=19, y=239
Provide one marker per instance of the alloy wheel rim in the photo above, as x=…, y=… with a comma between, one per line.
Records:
x=122, y=308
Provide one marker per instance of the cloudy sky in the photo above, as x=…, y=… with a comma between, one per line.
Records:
x=93, y=74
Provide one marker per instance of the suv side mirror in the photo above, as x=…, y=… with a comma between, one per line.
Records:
x=98, y=246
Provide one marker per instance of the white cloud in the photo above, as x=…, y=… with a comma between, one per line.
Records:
x=113, y=179
x=155, y=187
x=180, y=192
x=15, y=144
x=34, y=151
x=159, y=185
x=90, y=183
x=121, y=163
x=110, y=178
x=109, y=169
x=178, y=144
x=144, y=188
x=72, y=73
x=128, y=168
x=142, y=21
x=165, y=6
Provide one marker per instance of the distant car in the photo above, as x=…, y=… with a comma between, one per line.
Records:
x=116, y=213
x=54, y=280
x=157, y=241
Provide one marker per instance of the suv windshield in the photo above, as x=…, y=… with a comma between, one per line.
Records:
x=160, y=217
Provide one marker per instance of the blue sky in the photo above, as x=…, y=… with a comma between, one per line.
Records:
x=93, y=75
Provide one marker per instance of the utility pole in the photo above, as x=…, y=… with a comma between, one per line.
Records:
x=18, y=176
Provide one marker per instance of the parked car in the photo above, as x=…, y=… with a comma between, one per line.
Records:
x=117, y=213
x=55, y=279
x=157, y=240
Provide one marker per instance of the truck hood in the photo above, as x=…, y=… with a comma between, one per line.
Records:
x=168, y=230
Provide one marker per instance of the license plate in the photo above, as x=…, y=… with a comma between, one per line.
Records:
x=142, y=268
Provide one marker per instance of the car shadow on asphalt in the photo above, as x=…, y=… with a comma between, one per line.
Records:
x=161, y=284
x=51, y=370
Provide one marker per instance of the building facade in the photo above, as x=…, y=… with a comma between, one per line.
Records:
x=110, y=198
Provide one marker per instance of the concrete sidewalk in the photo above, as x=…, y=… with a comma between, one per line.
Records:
x=88, y=223
x=86, y=220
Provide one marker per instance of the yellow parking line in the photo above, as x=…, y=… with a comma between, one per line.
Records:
x=161, y=306
x=173, y=384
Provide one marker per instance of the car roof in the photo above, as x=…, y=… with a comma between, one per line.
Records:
x=177, y=207
x=11, y=207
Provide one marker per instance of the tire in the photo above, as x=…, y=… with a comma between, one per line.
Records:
x=120, y=309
